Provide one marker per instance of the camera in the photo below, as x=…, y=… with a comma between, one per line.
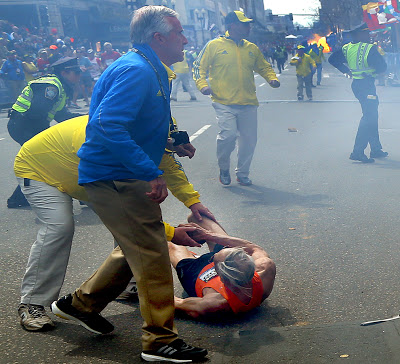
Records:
x=179, y=137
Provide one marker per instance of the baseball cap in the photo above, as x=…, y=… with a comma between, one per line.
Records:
x=66, y=64
x=237, y=16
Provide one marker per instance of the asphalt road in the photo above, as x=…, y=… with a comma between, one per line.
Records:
x=330, y=224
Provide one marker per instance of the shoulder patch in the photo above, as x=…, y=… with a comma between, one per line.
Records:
x=50, y=92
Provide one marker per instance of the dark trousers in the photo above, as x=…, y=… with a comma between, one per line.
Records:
x=280, y=62
x=365, y=91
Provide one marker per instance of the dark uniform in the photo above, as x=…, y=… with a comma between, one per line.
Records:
x=363, y=62
x=41, y=101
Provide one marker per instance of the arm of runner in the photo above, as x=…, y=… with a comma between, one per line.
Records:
x=197, y=307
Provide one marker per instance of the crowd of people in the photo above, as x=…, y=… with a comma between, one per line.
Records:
x=121, y=158
x=26, y=55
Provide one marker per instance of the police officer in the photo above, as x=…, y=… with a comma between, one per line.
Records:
x=363, y=64
x=41, y=101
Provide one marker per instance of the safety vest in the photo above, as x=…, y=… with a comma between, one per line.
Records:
x=356, y=55
x=24, y=100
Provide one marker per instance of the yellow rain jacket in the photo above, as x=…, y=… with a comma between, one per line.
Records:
x=229, y=67
x=303, y=68
x=181, y=67
x=39, y=160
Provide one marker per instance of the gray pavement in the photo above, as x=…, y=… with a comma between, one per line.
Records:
x=330, y=224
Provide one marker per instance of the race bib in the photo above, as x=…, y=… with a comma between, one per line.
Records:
x=208, y=274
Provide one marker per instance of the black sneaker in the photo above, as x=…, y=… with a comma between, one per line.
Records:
x=175, y=352
x=224, y=177
x=93, y=322
x=300, y=98
x=378, y=154
x=361, y=157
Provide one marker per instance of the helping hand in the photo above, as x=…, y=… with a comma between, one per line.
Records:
x=158, y=190
x=199, y=209
x=181, y=236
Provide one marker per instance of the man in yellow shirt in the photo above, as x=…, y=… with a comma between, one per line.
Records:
x=229, y=62
x=183, y=75
x=304, y=68
x=47, y=171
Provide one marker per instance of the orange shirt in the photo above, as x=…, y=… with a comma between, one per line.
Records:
x=208, y=278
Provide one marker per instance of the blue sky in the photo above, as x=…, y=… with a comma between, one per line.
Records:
x=293, y=6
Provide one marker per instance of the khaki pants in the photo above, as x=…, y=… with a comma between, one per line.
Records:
x=236, y=122
x=136, y=223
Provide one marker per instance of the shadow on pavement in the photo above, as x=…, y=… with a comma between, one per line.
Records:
x=230, y=336
x=258, y=195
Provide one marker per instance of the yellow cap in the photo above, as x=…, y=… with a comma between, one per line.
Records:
x=235, y=16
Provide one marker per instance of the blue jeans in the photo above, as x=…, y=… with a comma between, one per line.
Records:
x=365, y=91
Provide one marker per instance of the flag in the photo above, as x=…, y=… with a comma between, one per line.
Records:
x=379, y=15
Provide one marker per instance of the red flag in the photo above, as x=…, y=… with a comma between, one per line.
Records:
x=372, y=20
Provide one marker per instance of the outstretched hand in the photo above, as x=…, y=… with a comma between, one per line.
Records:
x=198, y=209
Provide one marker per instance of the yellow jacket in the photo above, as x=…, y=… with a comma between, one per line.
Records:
x=303, y=64
x=50, y=157
x=230, y=67
x=181, y=67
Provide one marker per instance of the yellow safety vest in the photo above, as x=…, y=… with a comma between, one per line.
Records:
x=356, y=55
x=24, y=100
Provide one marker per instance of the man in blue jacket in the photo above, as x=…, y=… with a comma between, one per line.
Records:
x=129, y=120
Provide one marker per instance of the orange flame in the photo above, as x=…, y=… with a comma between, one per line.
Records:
x=320, y=41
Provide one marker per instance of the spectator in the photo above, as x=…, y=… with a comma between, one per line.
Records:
x=55, y=54
x=95, y=71
x=85, y=83
x=67, y=51
x=3, y=50
x=109, y=56
x=30, y=69
x=43, y=62
x=12, y=72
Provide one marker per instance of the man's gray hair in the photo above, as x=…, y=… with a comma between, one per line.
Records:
x=238, y=268
x=149, y=20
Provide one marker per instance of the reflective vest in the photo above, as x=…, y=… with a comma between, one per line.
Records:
x=356, y=55
x=24, y=100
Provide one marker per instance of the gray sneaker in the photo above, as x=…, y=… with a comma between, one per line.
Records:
x=34, y=317
x=224, y=177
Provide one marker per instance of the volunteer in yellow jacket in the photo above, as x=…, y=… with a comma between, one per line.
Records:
x=304, y=68
x=183, y=75
x=47, y=171
x=229, y=62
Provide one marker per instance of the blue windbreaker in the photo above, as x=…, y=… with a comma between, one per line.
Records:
x=128, y=121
